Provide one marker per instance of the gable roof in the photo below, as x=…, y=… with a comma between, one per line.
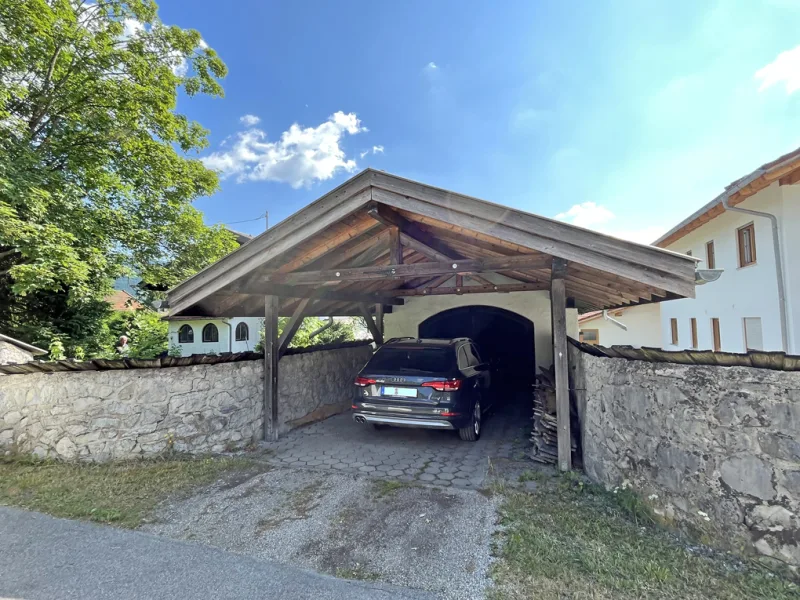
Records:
x=20, y=344
x=122, y=300
x=350, y=228
x=785, y=169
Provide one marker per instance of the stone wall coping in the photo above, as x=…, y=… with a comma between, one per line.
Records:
x=776, y=361
x=66, y=366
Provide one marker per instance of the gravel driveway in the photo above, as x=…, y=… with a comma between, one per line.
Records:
x=352, y=526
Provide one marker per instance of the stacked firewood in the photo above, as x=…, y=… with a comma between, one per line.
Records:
x=544, y=435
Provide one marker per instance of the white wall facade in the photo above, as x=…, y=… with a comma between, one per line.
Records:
x=643, y=322
x=404, y=320
x=226, y=329
x=741, y=292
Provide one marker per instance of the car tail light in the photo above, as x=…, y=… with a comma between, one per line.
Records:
x=449, y=385
x=364, y=381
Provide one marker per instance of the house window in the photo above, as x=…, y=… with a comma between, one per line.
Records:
x=673, y=326
x=242, y=332
x=746, y=237
x=715, y=334
x=186, y=334
x=694, y=333
x=210, y=333
x=711, y=259
x=753, y=336
x=590, y=336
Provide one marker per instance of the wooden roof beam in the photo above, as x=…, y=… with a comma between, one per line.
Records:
x=282, y=290
x=413, y=236
x=655, y=267
x=411, y=270
x=504, y=288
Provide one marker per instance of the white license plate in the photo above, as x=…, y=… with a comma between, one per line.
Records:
x=398, y=391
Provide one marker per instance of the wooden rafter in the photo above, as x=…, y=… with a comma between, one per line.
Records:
x=288, y=291
x=330, y=246
x=603, y=253
x=415, y=237
x=401, y=271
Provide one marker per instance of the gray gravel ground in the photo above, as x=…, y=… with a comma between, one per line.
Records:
x=346, y=525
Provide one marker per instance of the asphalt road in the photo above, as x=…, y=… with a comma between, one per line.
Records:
x=44, y=558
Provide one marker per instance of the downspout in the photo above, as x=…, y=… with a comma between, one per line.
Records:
x=776, y=244
x=614, y=321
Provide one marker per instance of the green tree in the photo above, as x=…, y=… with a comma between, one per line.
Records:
x=146, y=332
x=342, y=330
x=96, y=168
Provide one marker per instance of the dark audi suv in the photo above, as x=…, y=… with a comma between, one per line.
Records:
x=437, y=384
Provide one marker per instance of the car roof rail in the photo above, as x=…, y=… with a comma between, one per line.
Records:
x=399, y=339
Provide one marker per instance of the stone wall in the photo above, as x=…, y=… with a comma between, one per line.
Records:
x=316, y=385
x=122, y=414
x=714, y=448
x=12, y=355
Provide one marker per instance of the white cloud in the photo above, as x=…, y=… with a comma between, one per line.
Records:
x=249, y=120
x=374, y=150
x=431, y=66
x=784, y=69
x=300, y=157
x=587, y=214
x=594, y=216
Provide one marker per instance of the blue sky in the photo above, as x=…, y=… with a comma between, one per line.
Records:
x=624, y=116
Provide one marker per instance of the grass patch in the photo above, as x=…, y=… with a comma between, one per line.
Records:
x=119, y=493
x=577, y=541
x=528, y=475
x=387, y=487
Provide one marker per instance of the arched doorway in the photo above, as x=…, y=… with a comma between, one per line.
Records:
x=505, y=340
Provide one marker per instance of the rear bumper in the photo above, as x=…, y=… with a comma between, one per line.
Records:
x=360, y=417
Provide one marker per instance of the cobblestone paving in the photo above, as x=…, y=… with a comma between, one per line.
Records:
x=427, y=456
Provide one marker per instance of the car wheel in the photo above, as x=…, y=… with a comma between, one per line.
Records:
x=472, y=432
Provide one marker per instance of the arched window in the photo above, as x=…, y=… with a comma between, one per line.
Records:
x=210, y=333
x=186, y=334
x=242, y=332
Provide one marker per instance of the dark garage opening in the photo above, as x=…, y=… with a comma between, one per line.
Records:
x=505, y=340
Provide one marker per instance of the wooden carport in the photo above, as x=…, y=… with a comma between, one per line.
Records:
x=378, y=238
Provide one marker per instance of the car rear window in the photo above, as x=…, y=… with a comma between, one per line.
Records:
x=429, y=360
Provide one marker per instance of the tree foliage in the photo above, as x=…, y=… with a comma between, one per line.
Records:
x=96, y=172
x=146, y=332
x=342, y=330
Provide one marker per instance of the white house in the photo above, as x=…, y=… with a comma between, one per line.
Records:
x=643, y=326
x=752, y=232
x=198, y=335
x=204, y=335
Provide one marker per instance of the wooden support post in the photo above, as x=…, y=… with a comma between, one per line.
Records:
x=379, y=317
x=377, y=335
x=395, y=248
x=271, y=346
x=558, y=307
x=292, y=326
